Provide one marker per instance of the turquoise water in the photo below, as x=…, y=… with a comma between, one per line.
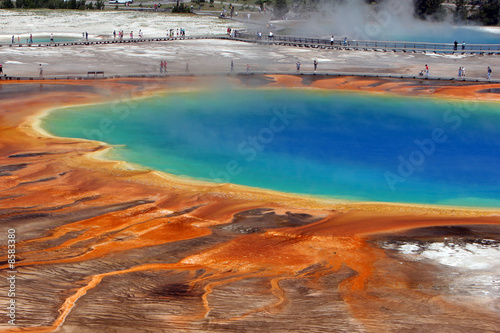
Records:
x=438, y=34
x=37, y=40
x=471, y=35
x=341, y=145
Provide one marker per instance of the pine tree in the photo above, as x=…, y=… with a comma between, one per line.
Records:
x=7, y=4
x=489, y=12
x=425, y=8
x=461, y=12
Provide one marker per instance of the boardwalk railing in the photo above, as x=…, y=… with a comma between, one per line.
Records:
x=373, y=44
x=297, y=41
x=82, y=76
x=105, y=41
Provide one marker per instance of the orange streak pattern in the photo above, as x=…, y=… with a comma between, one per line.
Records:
x=92, y=211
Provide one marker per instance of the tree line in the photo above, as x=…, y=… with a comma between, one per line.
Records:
x=52, y=4
x=484, y=11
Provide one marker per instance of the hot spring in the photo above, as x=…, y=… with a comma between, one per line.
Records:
x=361, y=147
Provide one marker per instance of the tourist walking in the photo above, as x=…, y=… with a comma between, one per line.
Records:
x=489, y=72
x=12, y=39
x=248, y=68
x=161, y=66
x=332, y=40
x=426, y=70
x=298, y=66
x=1, y=69
x=52, y=38
x=455, y=46
x=87, y=36
x=315, y=63
x=114, y=34
x=463, y=45
x=463, y=71
x=459, y=71
x=232, y=66
x=165, y=66
x=131, y=35
x=41, y=70
x=31, y=39
x=187, y=67
x=345, y=41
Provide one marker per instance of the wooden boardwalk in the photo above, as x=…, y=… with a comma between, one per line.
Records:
x=106, y=41
x=372, y=45
x=294, y=73
x=305, y=42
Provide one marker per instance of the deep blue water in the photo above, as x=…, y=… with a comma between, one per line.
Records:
x=343, y=145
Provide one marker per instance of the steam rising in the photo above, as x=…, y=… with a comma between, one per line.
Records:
x=389, y=20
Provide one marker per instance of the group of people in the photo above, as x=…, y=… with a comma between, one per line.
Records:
x=231, y=32
x=232, y=67
x=315, y=65
x=224, y=14
x=121, y=34
x=345, y=42
x=455, y=45
x=461, y=71
x=29, y=41
x=163, y=67
x=132, y=34
x=180, y=32
x=425, y=71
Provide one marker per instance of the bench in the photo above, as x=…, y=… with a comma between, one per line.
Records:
x=95, y=73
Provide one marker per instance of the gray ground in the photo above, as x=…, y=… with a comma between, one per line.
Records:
x=214, y=55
